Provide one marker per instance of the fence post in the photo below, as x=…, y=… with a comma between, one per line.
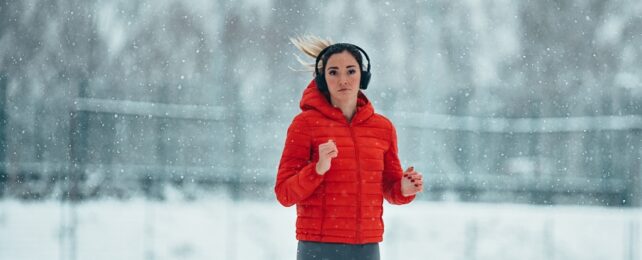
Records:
x=549, y=243
x=3, y=120
x=633, y=237
x=471, y=240
x=636, y=172
x=149, y=247
x=4, y=178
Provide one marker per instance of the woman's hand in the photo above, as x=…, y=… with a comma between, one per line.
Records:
x=327, y=151
x=411, y=182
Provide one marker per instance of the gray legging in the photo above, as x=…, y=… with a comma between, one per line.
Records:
x=335, y=251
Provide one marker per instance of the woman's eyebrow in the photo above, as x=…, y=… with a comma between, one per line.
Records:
x=335, y=67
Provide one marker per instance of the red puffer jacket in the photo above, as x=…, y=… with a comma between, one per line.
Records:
x=345, y=205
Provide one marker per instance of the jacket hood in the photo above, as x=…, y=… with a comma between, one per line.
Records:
x=313, y=99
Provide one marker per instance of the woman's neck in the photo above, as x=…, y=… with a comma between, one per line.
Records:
x=348, y=108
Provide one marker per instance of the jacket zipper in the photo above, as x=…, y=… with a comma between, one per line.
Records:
x=356, y=154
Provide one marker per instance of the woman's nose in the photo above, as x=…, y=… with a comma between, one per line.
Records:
x=343, y=79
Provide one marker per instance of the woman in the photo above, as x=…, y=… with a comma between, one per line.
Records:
x=340, y=160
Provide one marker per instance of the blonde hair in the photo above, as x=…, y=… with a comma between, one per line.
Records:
x=311, y=45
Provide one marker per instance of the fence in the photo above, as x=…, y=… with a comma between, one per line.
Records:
x=125, y=148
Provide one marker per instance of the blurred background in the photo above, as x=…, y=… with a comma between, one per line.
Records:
x=125, y=126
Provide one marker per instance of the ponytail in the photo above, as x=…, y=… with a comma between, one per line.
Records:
x=310, y=45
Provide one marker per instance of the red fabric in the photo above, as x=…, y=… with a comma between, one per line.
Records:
x=346, y=204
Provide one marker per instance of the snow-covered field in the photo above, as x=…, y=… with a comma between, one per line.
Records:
x=218, y=228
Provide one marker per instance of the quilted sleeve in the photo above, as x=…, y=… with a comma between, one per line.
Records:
x=296, y=177
x=392, y=174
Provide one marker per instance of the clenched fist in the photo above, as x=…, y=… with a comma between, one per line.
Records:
x=327, y=151
x=412, y=182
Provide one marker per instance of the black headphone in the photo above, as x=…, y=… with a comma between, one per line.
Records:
x=320, y=77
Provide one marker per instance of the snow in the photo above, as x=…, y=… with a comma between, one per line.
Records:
x=219, y=228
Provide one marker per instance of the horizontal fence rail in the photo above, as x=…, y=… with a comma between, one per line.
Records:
x=517, y=125
x=150, y=109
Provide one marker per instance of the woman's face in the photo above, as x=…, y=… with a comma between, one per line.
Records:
x=343, y=77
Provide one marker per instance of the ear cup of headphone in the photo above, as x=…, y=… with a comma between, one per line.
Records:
x=365, y=79
x=321, y=84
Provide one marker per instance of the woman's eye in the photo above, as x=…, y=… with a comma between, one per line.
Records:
x=332, y=72
x=352, y=72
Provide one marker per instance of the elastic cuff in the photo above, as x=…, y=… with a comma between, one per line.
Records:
x=310, y=176
x=401, y=199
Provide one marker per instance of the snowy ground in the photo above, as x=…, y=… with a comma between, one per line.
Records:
x=217, y=228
